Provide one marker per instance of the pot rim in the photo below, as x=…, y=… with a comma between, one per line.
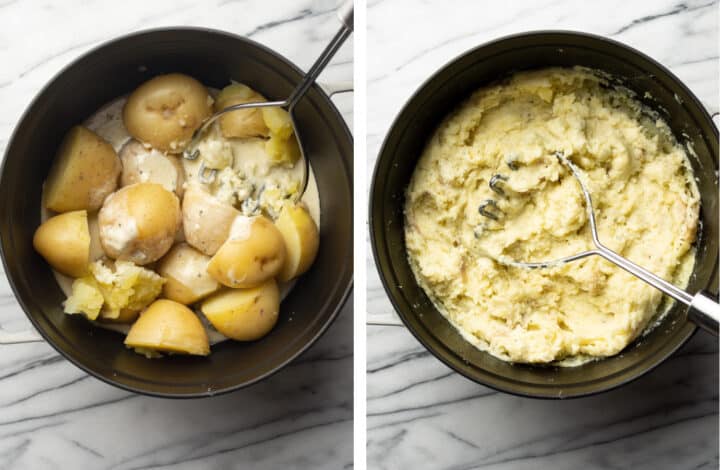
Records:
x=432, y=344
x=345, y=291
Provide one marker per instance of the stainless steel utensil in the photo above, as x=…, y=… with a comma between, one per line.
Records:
x=207, y=175
x=703, y=309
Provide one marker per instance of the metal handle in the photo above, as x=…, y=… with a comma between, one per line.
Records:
x=383, y=319
x=345, y=14
x=335, y=88
x=704, y=311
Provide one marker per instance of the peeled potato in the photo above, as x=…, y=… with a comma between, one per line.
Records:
x=125, y=317
x=278, y=121
x=143, y=165
x=242, y=123
x=138, y=223
x=169, y=326
x=302, y=240
x=84, y=172
x=244, y=314
x=253, y=253
x=64, y=242
x=283, y=151
x=186, y=277
x=166, y=110
x=206, y=221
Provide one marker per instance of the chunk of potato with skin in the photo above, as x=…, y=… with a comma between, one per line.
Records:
x=245, y=122
x=186, y=278
x=206, y=221
x=84, y=172
x=139, y=222
x=170, y=327
x=302, y=240
x=253, y=253
x=64, y=242
x=143, y=165
x=126, y=316
x=244, y=314
x=166, y=110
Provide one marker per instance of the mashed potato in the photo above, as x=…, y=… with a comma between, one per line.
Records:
x=646, y=206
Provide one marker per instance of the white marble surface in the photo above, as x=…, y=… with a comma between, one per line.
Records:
x=52, y=415
x=421, y=414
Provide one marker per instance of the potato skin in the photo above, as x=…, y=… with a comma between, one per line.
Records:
x=206, y=221
x=253, y=253
x=138, y=223
x=244, y=314
x=166, y=110
x=169, y=326
x=185, y=271
x=84, y=172
x=64, y=242
x=302, y=240
x=242, y=123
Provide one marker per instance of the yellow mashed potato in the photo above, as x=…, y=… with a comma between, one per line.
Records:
x=646, y=206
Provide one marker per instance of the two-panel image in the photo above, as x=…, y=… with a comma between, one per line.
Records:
x=383, y=234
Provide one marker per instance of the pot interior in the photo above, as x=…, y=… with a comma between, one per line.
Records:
x=113, y=70
x=403, y=147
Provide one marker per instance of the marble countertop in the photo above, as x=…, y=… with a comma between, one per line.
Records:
x=53, y=415
x=421, y=414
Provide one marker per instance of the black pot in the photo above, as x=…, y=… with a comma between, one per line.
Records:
x=404, y=144
x=112, y=70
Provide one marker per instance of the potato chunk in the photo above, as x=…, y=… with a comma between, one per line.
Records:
x=84, y=172
x=244, y=314
x=64, y=242
x=253, y=253
x=206, y=221
x=114, y=291
x=166, y=110
x=242, y=123
x=301, y=240
x=139, y=223
x=169, y=326
x=186, y=277
x=143, y=165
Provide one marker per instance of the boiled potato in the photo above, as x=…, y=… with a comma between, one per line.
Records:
x=126, y=316
x=245, y=122
x=278, y=121
x=114, y=291
x=186, y=277
x=84, y=172
x=64, y=242
x=138, y=223
x=301, y=240
x=206, y=221
x=171, y=327
x=143, y=165
x=253, y=253
x=283, y=151
x=166, y=110
x=244, y=314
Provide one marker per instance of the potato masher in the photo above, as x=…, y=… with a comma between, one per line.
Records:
x=345, y=14
x=703, y=310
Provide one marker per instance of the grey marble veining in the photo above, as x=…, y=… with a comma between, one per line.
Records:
x=53, y=415
x=421, y=414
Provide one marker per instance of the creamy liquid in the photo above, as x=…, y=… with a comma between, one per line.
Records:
x=107, y=123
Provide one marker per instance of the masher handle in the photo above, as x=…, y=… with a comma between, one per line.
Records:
x=704, y=311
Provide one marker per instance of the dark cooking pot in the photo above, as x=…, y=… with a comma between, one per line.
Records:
x=112, y=70
x=403, y=146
